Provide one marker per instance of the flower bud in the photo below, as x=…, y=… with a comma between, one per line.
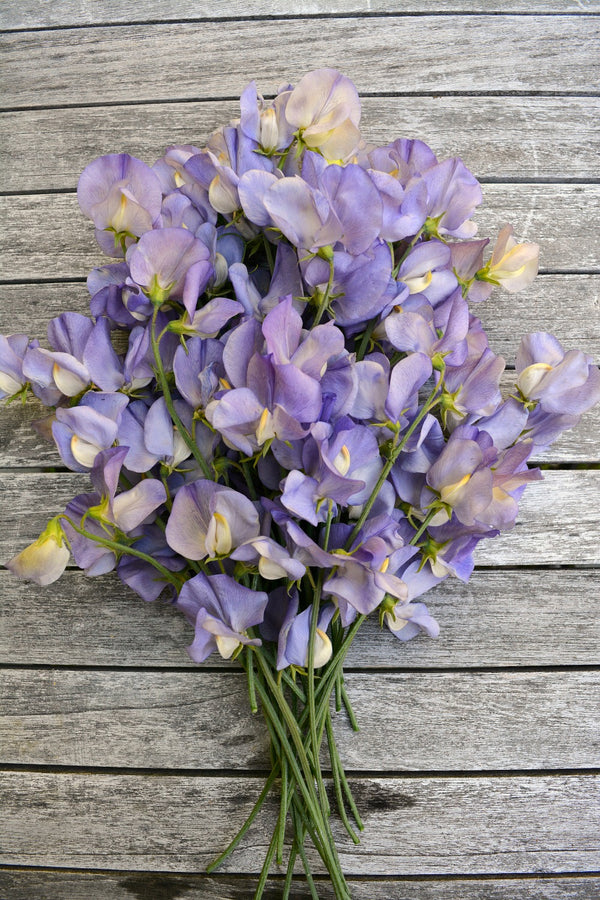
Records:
x=513, y=266
x=45, y=560
x=269, y=132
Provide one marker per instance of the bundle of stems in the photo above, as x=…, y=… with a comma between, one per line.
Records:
x=298, y=712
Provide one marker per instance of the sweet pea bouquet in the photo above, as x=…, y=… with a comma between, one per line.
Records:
x=290, y=415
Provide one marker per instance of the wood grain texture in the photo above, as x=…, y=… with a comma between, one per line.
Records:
x=40, y=14
x=73, y=623
x=413, y=826
x=554, y=527
x=449, y=53
x=408, y=721
x=499, y=137
x=23, y=884
x=542, y=617
x=22, y=447
x=47, y=238
x=490, y=723
x=566, y=305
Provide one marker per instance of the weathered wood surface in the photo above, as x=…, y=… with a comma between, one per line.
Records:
x=497, y=720
x=414, y=55
x=40, y=14
x=566, y=305
x=501, y=618
x=22, y=447
x=472, y=825
x=557, y=522
x=409, y=721
x=520, y=138
x=23, y=884
x=46, y=237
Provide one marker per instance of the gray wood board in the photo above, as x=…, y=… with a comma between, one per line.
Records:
x=40, y=14
x=566, y=305
x=184, y=61
x=436, y=722
x=499, y=137
x=22, y=447
x=542, y=617
x=46, y=236
x=413, y=825
x=557, y=525
x=23, y=884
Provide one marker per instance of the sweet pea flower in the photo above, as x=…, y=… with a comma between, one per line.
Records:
x=114, y=295
x=513, y=265
x=221, y=611
x=407, y=620
x=12, y=351
x=442, y=331
x=265, y=122
x=197, y=368
x=45, y=560
x=294, y=636
x=559, y=381
x=404, y=159
x=467, y=261
x=426, y=270
x=171, y=263
x=210, y=520
x=81, y=432
x=461, y=478
x=473, y=388
x=107, y=512
x=325, y=109
x=452, y=195
x=341, y=464
x=169, y=168
x=361, y=580
x=273, y=560
x=360, y=283
x=121, y=194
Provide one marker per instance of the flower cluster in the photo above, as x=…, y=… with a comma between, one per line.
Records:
x=289, y=413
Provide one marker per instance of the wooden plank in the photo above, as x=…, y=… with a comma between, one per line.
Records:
x=500, y=137
x=91, y=65
x=543, y=617
x=23, y=884
x=46, y=237
x=566, y=305
x=21, y=447
x=40, y=14
x=436, y=722
x=414, y=826
x=541, y=537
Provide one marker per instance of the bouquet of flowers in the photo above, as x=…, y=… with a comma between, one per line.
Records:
x=289, y=414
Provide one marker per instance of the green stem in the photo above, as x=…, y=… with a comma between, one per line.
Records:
x=282, y=811
x=365, y=339
x=342, y=775
x=407, y=251
x=349, y=710
x=423, y=526
x=287, y=885
x=264, y=872
x=427, y=406
x=122, y=549
x=164, y=385
x=325, y=298
x=302, y=772
x=310, y=681
x=240, y=834
x=251, y=684
x=337, y=782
